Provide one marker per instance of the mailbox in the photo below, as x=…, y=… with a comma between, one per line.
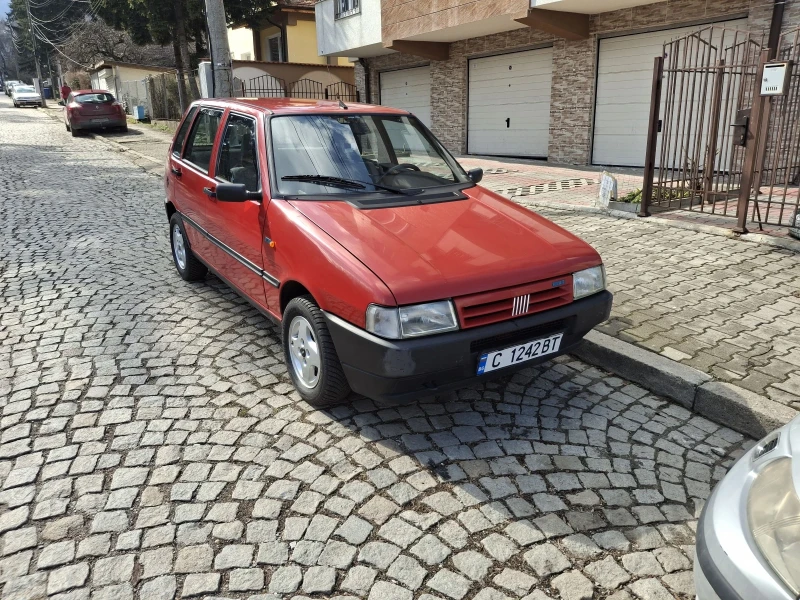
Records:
x=776, y=78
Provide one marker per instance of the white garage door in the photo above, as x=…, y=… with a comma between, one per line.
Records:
x=509, y=103
x=624, y=82
x=408, y=89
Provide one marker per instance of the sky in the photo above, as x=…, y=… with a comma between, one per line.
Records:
x=3, y=8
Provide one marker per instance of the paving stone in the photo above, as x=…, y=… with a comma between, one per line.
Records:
x=197, y=584
x=449, y=583
x=430, y=550
x=545, y=559
x=384, y=590
x=607, y=573
x=573, y=585
x=242, y=580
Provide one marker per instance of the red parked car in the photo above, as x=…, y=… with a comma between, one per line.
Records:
x=93, y=109
x=392, y=272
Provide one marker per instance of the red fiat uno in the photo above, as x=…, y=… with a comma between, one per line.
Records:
x=392, y=272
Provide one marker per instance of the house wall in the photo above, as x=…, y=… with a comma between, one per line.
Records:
x=356, y=31
x=574, y=65
x=240, y=43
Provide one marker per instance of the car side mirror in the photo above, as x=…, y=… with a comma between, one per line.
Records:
x=475, y=175
x=235, y=192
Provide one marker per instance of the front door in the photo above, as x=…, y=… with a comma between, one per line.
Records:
x=237, y=226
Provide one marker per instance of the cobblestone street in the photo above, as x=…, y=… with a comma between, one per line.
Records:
x=151, y=446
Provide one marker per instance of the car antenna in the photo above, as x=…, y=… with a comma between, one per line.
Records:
x=342, y=104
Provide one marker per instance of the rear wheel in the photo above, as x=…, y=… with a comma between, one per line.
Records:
x=73, y=131
x=189, y=268
x=310, y=354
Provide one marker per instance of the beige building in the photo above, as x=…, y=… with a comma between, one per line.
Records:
x=564, y=80
x=110, y=75
x=290, y=35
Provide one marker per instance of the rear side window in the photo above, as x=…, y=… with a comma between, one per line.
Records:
x=99, y=98
x=201, y=140
x=177, y=145
x=238, y=155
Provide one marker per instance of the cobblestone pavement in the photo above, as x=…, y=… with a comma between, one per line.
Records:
x=151, y=446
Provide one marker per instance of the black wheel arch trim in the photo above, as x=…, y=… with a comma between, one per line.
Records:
x=268, y=277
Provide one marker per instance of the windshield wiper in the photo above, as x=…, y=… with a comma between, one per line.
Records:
x=353, y=184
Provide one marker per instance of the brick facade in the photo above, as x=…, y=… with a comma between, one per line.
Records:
x=574, y=68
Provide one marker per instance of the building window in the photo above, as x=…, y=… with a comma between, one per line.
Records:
x=274, y=48
x=345, y=8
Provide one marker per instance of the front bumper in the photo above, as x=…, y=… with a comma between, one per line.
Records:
x=396, y=371
x=727, y=564
x=28, y=102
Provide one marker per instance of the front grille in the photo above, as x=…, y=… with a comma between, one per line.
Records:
x=504, y=340
x=509, y=303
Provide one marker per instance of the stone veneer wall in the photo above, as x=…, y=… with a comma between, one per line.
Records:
x=574, y=68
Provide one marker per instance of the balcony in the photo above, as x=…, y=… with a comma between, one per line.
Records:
x=349, y=28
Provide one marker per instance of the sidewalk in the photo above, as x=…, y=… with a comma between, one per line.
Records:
x=703, y=300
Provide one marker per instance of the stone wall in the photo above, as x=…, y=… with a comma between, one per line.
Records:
x=574, y=68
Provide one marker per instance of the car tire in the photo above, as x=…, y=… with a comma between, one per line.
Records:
x=73, y=131
x=187, y=264
x=123, y=129
x=310, y=355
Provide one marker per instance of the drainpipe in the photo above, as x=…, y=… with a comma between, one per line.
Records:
x=775, y=28
x=365, y=65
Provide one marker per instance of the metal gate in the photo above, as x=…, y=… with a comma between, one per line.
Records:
x=715, y=144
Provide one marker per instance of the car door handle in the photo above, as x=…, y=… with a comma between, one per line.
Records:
x=209, y=192
x=176, y=172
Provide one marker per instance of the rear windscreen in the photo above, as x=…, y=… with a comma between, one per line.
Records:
x=94, y=98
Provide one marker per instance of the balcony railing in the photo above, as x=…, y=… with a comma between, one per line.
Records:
x=345, y=8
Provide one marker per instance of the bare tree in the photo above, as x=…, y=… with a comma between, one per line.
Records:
x=8, y=58
x=95, y=41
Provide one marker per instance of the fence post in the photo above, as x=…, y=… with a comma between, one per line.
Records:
x=714, y=117
x=753, y=158
x=181, y=99
x=652, y=137
x=166, y=100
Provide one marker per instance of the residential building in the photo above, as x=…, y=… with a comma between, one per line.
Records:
x=289, y=34
x=565, y=80
x=110, y=75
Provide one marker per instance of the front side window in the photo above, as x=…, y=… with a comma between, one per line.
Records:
x=99, y=98
x=238, y=155
x=345, y=8
x=177, y=145
x=201, y=140
x=363, y=153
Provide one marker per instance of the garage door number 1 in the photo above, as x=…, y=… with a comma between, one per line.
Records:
x=508, y=122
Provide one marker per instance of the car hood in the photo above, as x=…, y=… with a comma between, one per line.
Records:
x=448, y=249
x=26, y=95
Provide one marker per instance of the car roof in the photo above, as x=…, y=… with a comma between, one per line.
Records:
x=77, y=92
x=300, y=106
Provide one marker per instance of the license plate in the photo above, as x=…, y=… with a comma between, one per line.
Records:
x=513, y=355
x=103, y=120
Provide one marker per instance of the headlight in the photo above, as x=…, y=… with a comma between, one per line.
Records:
x=773, y=510
x=588, y=282
x=411, y=321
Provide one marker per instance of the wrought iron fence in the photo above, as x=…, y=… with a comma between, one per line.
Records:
x=267, y=86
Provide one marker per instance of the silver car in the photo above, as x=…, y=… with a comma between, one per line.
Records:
x=25, y=95
x=748, y=537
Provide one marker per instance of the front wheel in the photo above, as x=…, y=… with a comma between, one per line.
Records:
x=310, y=354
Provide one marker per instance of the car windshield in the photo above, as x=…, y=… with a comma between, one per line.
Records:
x=24, y=89
x=94, y=98
x=358, y=153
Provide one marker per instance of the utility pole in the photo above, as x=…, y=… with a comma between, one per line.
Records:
x=218, y=48
x=35, y=57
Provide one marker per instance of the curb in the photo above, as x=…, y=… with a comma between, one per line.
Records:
x=752, y=238
x=724, y=403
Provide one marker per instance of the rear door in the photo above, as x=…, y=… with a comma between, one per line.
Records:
x=194, y=184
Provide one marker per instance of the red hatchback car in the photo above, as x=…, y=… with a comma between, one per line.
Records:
x=392, y=272
x=93, y=109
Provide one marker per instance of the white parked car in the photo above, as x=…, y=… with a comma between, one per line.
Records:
x=748, y=537
x=25, y=95
x=8, y=85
